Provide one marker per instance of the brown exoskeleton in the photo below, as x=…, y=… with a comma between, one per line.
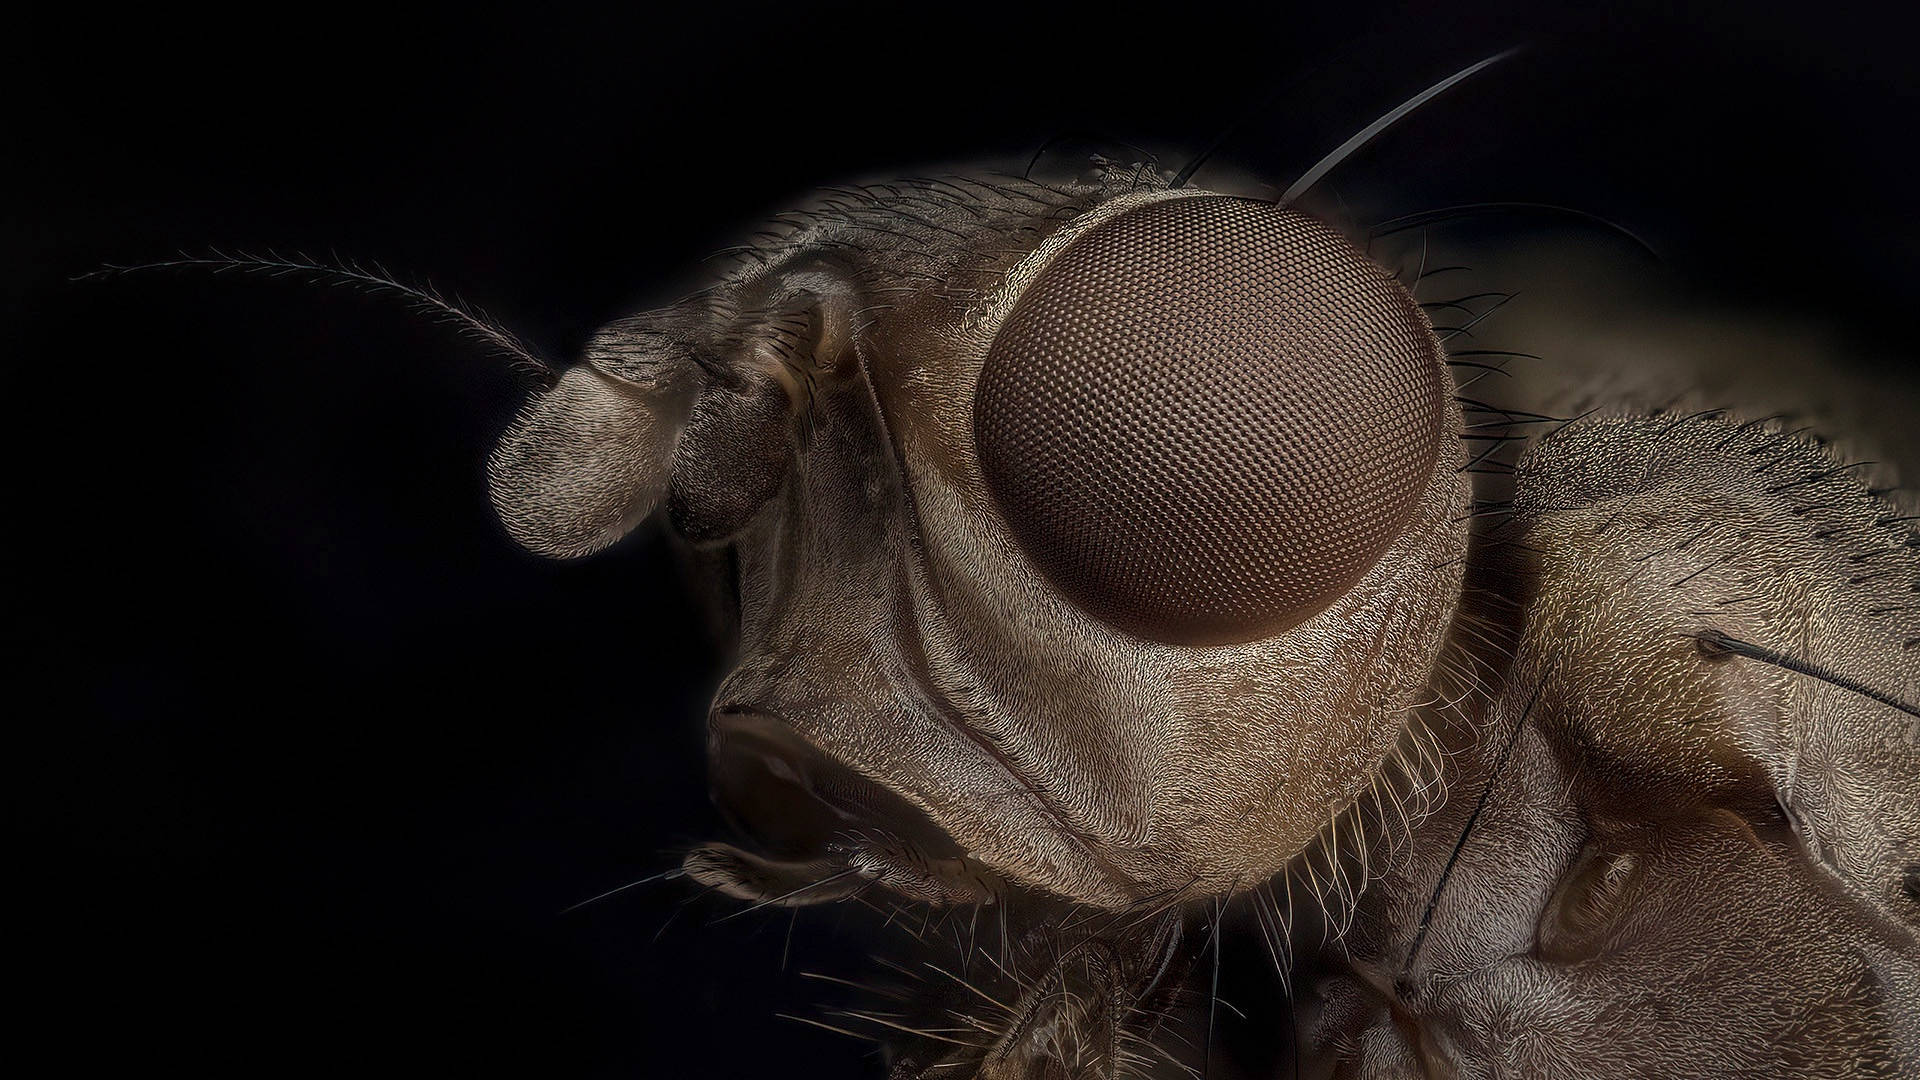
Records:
x=1109, y=558
x=1107, y=551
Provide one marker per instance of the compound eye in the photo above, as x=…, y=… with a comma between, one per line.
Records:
x=1206, y=418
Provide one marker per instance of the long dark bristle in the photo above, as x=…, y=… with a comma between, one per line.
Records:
x=1453, y=857
x=1719, y=643
x=1372, y=131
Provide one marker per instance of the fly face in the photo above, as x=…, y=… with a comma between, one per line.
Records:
x=1099, y=539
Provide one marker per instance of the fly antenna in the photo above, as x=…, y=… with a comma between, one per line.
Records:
x=422, y=296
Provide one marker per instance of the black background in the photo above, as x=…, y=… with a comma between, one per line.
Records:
x=306, y=759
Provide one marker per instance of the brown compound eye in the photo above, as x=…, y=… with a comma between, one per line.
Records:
x=1206, y=418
